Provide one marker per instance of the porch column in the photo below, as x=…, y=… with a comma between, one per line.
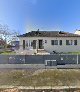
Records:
x=37, y=46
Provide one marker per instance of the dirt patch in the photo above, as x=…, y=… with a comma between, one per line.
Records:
x=11, y=90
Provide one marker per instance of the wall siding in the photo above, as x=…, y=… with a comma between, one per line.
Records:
x=58, y=48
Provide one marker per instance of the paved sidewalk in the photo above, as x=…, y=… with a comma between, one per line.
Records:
x=44, y=87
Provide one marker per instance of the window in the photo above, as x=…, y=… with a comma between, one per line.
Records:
x=75, y=42
x=69, y=42
x=60, y=42
x=30, y=43
x=54, y=42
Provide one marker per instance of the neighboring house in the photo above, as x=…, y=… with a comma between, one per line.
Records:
x=49, y=41
x=2, y=43
x=15, y=44
x=77, y=32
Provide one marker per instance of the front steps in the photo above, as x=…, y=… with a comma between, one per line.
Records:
x=42, y=52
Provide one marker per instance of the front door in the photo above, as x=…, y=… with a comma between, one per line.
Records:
x=34, y=44
x=40, y=44
x=23, y=44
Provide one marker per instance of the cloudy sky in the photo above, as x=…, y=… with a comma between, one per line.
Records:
x=27, y=15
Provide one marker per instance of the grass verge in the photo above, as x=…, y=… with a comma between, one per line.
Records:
x=50, y=77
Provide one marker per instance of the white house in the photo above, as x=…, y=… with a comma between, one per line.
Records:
x=77, y=32
x=48, y=42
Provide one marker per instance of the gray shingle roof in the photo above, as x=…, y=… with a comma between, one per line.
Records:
x=48, y=34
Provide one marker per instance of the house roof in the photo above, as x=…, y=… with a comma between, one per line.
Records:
x=48, y=34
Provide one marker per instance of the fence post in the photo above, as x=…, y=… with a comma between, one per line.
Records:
x=77, y=58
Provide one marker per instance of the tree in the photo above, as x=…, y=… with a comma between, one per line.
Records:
x=7, y=34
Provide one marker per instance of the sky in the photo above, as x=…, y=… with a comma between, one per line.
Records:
x=30, y=15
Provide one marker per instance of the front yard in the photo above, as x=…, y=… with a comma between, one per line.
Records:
x=39, y=78
x=32, y=77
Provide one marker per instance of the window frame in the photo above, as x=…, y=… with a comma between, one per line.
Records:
x=69, y=42
x=60, y=42
x=75, y=42
x=54, y=42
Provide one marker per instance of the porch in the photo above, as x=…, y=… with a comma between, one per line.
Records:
x=35, y=47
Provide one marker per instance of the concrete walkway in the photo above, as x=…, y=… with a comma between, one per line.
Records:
x=44, y=87
x=38, y=66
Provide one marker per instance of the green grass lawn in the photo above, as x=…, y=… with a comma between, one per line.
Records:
x=72, y=53
x=8, y=53
x=54, y=77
